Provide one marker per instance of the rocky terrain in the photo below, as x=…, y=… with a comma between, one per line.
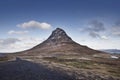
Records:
x=26, y=70
x=60, y=58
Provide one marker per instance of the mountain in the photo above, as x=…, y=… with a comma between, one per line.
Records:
x=60, y=43
x=115, y=51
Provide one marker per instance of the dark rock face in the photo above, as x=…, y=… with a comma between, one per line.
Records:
x=58, y=36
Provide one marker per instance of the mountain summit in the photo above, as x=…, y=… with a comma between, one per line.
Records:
x=58, y=42
x=59, y=36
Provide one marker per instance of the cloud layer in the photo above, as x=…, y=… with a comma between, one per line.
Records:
x=94, y=29
x=6, y=44
x=18, y=44
x=116, y=29
x=8, y=41
x=17, y=32
x=96, y=26
x=22, y=42
x=34, y=24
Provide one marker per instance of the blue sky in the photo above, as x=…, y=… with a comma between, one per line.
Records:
x=25, y=23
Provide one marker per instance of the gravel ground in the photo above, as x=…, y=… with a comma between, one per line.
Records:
x=25, y=70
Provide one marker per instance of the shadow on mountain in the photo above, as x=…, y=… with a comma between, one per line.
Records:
x=26, y=70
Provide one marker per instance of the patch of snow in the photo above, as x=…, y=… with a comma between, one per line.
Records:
x=96, y=56
x=84, y=58
x=115, y=57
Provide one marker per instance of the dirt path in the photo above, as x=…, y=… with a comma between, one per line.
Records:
x=26, y=70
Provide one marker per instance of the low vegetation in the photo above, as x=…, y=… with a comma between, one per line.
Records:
x=5, y=58
x=108, y=68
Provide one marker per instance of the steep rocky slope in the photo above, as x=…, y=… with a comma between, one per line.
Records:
x=60, y=42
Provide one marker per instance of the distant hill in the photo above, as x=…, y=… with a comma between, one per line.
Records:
x=115, y=51
x=2, y=55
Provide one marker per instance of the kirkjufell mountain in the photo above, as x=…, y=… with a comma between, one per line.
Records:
x=60, y=43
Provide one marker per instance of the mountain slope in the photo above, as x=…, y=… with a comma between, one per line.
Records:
x=58, y=42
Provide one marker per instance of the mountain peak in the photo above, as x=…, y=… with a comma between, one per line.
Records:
x=58, y=31
x=59, y=35
x=59, y=41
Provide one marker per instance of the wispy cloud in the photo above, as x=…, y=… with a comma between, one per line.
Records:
x=94, y=34
x=95, y=26
x=97, y=35
x=6, y=43
x=17, y=32
x=116, y=29
x=104, y=37
x=18, y=44
x=22, y=43
x=35, y=24
x=94, y=29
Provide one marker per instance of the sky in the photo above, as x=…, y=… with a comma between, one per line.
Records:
x=26, y=23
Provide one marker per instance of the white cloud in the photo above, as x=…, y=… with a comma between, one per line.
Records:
x=5, y=44
x=8, y=41
x=17, y=32
x=104, y=37
x=94, y=34
x=34, y=24
x=95, y=29
x=116, y=31
x=96, y=26
x=18, y=44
